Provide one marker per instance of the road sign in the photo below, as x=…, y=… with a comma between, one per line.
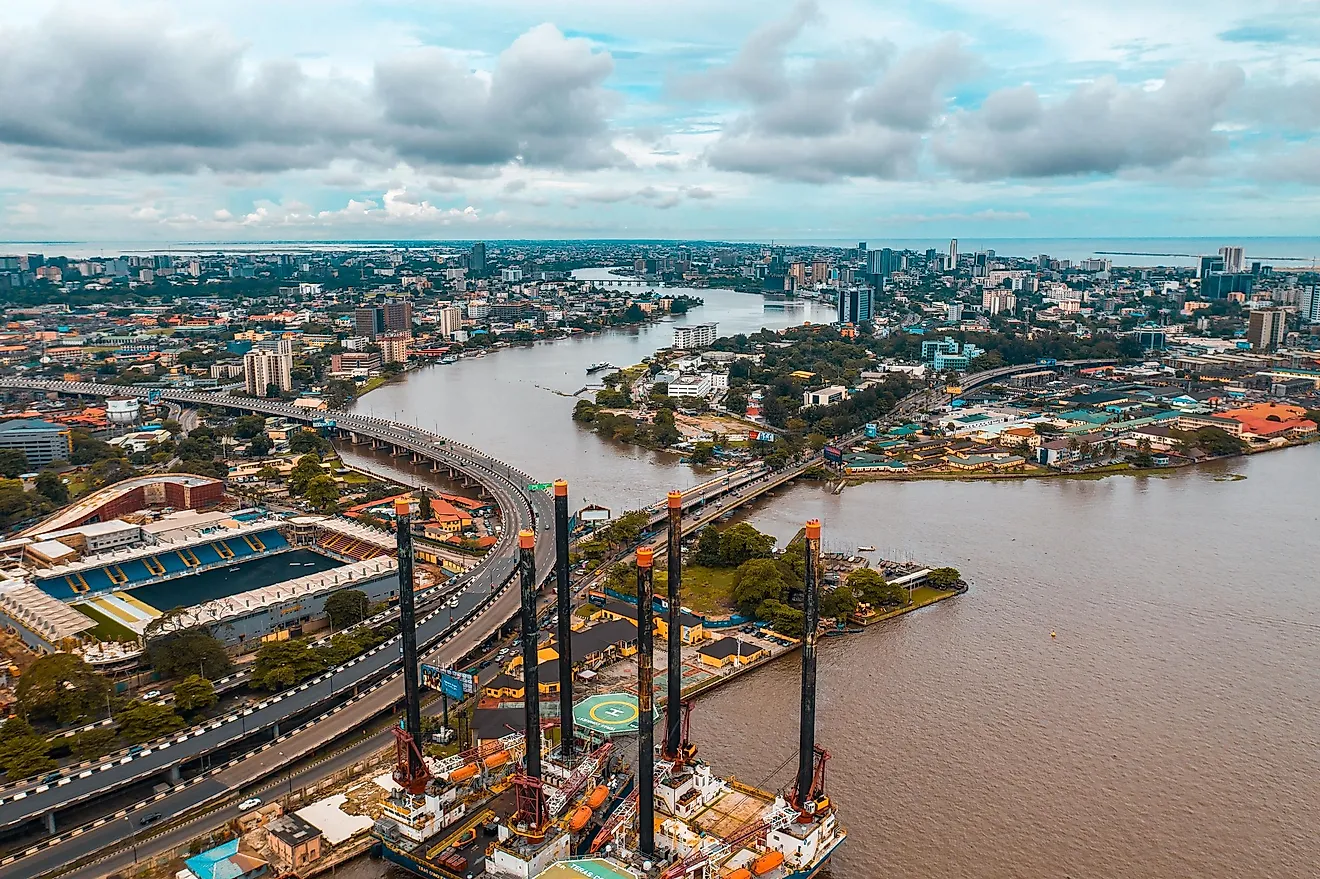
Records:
x=540, y=486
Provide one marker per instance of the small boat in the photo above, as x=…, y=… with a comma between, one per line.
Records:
x=597, y=367
x=234, y=568
x=867, y=548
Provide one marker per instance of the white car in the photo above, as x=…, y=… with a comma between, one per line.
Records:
x=151, y=694
x=250, y=803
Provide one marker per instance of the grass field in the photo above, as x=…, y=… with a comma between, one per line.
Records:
x=708, y=590
x=107, y=628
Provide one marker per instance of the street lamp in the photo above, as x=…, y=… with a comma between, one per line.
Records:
x=132, y=832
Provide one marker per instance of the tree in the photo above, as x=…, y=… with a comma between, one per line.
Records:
x=346, y=607
x=194, y=693
x=756, y=581
x=1217, y=441
x=664, y=430
x=626, y=529
x=743, y=542
x=308, y=468
x=22, y=751
x=424, y=506
x=61, y=687
x=304, y=441
x=13, y=463
x=837, y=603
x=185, y=652
x=260, y=446
x=783, y=619
x=248, y=426
x=52, y=487
x=141, y=721
x=323, y=493
x=610, y=398
x=92, y=743
x=943, y=577
x=702, y=453
x=736, y=403
x=584, y=411
x=282, y=664
x=172, y=425
x=708, y=553
x=871, y=587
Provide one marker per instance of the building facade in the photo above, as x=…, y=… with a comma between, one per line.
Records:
x=695, y=336
x=41, y=441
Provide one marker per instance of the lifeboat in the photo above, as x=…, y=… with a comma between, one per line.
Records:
x=463, y=773
x=597, y=797
x=499, y=758
x=767, y=862
x=740, y=873
x=581, y=815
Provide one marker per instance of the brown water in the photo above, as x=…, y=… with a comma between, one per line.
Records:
x=1170, y=730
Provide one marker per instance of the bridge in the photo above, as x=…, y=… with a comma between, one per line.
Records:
x=990, y=376
x=370, y=683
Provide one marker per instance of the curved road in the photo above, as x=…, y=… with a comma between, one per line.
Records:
x=484, y=605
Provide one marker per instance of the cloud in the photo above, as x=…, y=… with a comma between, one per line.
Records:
x=1100, y=127
x=860, y=111
x=989, y=215
x=86, y=95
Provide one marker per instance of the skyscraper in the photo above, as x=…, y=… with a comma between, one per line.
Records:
x=1265, y=328
x=1233, y=258
x=368, y=321
x=398, y=316
x=951, y=264
x=856, y=305
x=477, y=258
x=263, y=370
x=1310, y=302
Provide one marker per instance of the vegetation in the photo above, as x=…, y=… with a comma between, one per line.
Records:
x=63, y=688
x=346, y=607
x=22, y=751
x=142, y=721
x=870, y=587
x=944, y=577
x=185, y=652
x=283, y=664
x=92, y=743
x=731, y=547
x=13, y=463
x=194, y=693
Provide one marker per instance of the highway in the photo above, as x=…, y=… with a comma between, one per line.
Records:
x=484, y=606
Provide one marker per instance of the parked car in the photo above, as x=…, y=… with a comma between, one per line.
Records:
x=249, y=803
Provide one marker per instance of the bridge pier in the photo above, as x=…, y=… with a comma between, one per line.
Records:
x=175, y=775
x=377, y=444
x=398, y=451
x=50, y=823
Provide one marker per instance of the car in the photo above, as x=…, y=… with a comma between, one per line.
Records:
x=151, y=694
x=151, y=818
x=249, y=803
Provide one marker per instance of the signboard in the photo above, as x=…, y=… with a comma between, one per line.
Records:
x=540, y=486
x=153, y=395
x=764, y=436
x=454, y=684
x=872, y=430
x=834, y=454
x=451, y=686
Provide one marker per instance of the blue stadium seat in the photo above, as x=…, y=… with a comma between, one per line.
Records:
x=135, y=571
x=239, y=548
x=206, y=554
x=273, y=539
x=173, y=564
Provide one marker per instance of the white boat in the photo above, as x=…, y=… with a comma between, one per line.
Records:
x=867, y=548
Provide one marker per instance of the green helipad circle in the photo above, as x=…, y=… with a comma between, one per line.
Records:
x=609, y=714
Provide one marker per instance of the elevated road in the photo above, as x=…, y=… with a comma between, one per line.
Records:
x=484, y=606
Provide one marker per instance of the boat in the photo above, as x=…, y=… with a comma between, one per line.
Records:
x=597, y=367
x=866, y=548
x=234, y=568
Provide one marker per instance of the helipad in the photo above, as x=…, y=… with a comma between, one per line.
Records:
x=609, y=714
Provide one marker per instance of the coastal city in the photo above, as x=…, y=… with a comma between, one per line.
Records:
x=804, y=439
x=211, y=549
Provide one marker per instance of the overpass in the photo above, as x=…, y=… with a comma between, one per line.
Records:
x=990, y=376
x=485, y=604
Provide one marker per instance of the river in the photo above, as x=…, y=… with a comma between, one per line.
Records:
x=1169, y=730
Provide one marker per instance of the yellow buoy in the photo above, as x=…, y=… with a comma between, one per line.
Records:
x=1052, y=635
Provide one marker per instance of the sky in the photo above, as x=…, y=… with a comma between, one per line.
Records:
x=259, y=120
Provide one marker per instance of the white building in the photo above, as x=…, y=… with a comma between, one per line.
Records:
x=951, y=263
x=824, y=396
x=512, y=275
x=695, y=336
x=998, y=302
x=122, y=410
x=395, y=348
x=692, y=385
x=478, y=309
x=1233, y=259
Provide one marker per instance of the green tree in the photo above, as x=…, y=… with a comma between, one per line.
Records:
x=304, y=441
x=424, y=506
x=185, y=652
x=665, y=430
x=756, y=581
x=22, y=751
x=259, y=446
x=308, y=468
x=52, y=487
x=13, y=463
x=1217, y=441
x=837, y=603
x=194, y=693
x=702, y=453
x=611, y=398
x=584, y=411
x=871, y=587
x=346, y=607
x=61, y=687
x=742, y=542
x=323, y=494
x=783, y=619
x=626, y=529
x=282, y=664
x=708, y=552
x=92, y=743
x=736, y=403
x=943, y=577
x=248, y=426
x=141, y=722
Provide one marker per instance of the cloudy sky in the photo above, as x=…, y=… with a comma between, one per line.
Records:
x=200, y=120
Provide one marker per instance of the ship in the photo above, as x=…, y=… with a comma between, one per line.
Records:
x=597, y=367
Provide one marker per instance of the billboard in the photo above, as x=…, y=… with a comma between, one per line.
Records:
x=764, y=436
x=454, y=684
x=834, y=454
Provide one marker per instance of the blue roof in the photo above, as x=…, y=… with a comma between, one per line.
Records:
x=214, y=864
x=16, y=424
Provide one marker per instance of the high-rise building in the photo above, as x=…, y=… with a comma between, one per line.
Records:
x=953, y=312
x=998, y=301
x=477, y=258
x=1207, y=265
x=1233, y=258
x=1310, y=304
x=1218, y=285
x=398, y=316
x=694, y=336
x=883, y=262
x=449, y=320
x=263, y=370
x=856, y=305
x=951, y=262
x=1265, y=328
x=395, y=347
x=369, y=321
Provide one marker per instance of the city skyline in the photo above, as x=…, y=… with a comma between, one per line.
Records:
x=188, y=122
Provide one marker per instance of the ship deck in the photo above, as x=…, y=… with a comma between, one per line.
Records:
x=732, y=812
